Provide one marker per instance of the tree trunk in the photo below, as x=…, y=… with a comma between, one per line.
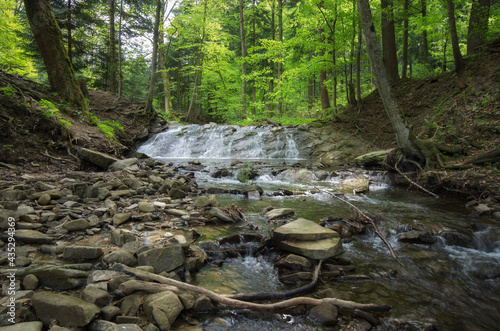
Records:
x=49, y=39
x=478, y=24
x=457, y=56
x=404, y=60
x=425, y=47
x=410, y=146
x=243, y=64
x=280, y=64
x=310, y=88
x=389, y=40
x=162, y=57
x=112, y=47
x=149, y=101
x=120, y=73
x=325, y=100
x=358, y=66
x=70, y=38
x=271, y=81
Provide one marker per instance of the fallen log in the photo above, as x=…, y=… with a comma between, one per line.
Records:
x=227, y=301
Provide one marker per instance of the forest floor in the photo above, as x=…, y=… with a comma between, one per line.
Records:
x=435, y=107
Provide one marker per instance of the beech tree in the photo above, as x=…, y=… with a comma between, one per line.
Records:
x=49, y=39
x=478, y=24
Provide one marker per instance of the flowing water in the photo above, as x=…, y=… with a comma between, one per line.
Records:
x=453, y=283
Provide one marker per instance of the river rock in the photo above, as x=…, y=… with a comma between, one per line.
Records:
x=372, y=159
x=82, y=253
x=279, y=213
x=325, y=313
x=101, y=325
x=67, y=311
x=178, y=192
x=110, y=312
x=163, y=258
x=131, y=303
x=120, y=256
x=306, y=238
x=44, y=199
x=163, y=308
x=25, y=326
x=146, y=207
x=295, y=262
x=32, y=237
x=121, y=218
x=54, y=194
x=417, y=237
x=25, y=210
x=30, y=282
x=356, y=185
x=123, y=164
x=5, y=214
x=58, y=277
x=206, y=201
x=120, y=237
x=96, y=158
x=77, y=225
x=96, y=296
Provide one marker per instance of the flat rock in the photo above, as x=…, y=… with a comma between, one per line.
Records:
x=25, y=326
x=356, y=185
x=123, y=164
x=96, y=296
x=82, y=253
x=121, y=218
x=303, y=230
x=376, y=158
x=163, y=308
x=58, y=277
x=120, y=256
x=162, y=258
x=77, y=225
x=32, y=237
x=279, y=213
x=67, y=311
x=146, y=207
x=318, y=249
x=97, y=158
x=177, y=212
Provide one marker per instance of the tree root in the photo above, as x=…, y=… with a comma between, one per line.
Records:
x=412, y=182
x=224, y=300
x=46, y=154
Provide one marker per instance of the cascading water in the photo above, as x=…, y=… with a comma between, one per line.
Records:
x=222, y=142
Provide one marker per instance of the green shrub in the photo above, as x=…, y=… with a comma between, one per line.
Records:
x=67, y=124
x=47, y=108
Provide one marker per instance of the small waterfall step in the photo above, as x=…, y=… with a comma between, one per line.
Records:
x=306, y=238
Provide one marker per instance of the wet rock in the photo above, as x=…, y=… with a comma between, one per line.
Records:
x=30, y=282
x=279, y=213
x=110, y=312
x=203, y=304
x=25, y=326
x=206, y=201
x=96, y=158
x=77, y=225
x=120, y=237
x=482, y=208
x=177, y=193
x=358, y=325
x=325, y=313
x=65, y=310
x=82, y=253
x=58, y=277
x=120, y=256
x=101, y=325
x=294, y=262
x=417, y=237
x=372, y=159
x=454, y=238
x=163, y=308
x=96, y=296
x=355, y=185
x=131, y=304
x=32, y=237
x=187, y=300
x=221, y=215
x=253, y=195
x=163, y=258
x=296, y=277
x=219, y=173
x=123, y=164
x=121, y=218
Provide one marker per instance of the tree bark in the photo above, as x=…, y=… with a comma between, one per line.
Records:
x=112, y=47
x=478, y=24
x=149, y=101
x=404, y=60
x=70, y=38
x=325, y=100
x=120, y=73
x=271, y=81
x=389, y=41
x=457, y=56
x=243, y=64
x=410, y=146
x=280, y=62
x=425, y=47
x=49, y=39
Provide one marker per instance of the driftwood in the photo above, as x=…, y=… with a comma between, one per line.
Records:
x=280, y=295
x=492, y=156
x=227, y=301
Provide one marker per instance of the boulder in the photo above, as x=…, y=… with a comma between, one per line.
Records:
x=278, y=213
x=120, y=256
x=96, y=158
x=30, y=282
x=163, y=308
x=325, y=313
x=372, y=159
x=295, y=262
x=131, y=303
x=58, y=277
x=32, y=237
x=146, y=207
x=25, y=326
x=123, y=164
x=96, y=296
x=121, y=218
x=120, y=237
x=355, y=185
x=162, y=258
x=206, y=201
x=44, y=199
x=76, y=225
x=417, y=237
x=110, y=312
x=67, y=311
x=82, y=253
x=5, y=214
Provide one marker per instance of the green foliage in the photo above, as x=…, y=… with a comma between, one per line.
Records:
x=47, y=108
x=8, y=91
x=245, y=173
x=109, y=128
x=65, y=123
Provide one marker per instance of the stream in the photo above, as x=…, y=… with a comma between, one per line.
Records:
x=452, y=284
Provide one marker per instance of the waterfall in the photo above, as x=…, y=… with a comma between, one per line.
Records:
x=225, y=142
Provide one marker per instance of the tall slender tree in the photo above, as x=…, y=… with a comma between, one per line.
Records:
x=389, y=51
x=149, y=101
x=112, y=47
x=478, y=24
x=457, y=55
x=243, y=63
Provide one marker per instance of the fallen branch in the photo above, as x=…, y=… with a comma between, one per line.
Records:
x=224, y=300
x=46, y=154
x=280, y=295
x=413, y=183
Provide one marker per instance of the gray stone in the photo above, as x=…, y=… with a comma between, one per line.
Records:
x=120, y=256
x=25, y=210
x=417, y=237
x=120, y=237
x=279, y=213
x=96, y=296
x=131, y=304
x=121, y=218
x=25, y=326
x=5, y=215
x=376, y=158
x=177, y=193
x=65, y=310
x=355, y=185
x=178, y=212
x=131, y=247
x=295, y=262
x=33, y=237
x=206, y=201
x=99, y=159
x=163, y=258
x=303, y=230
x=58, y=277
x=82, y=253
x=163, y=308
x=54, y=194
x=482, y=209
x=76, y=225
x=187, y=300
x=318, y=249
x=123, y=164
x=325, y=313
x=110, y=312
x=218, y=213
x=101, y=325
x=30, y=282
x=146, y=207
x=203, y=304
